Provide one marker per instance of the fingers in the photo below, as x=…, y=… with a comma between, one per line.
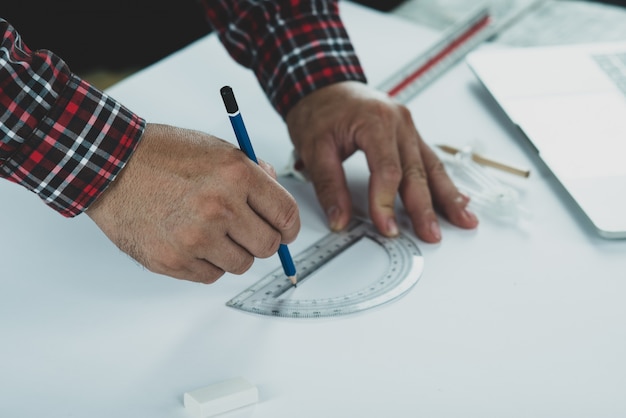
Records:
x=231, y=236
x=415, y=191
x=416, y=195
x=426, y=186
x=385, y=167
x=446, y=197
x=404, y=163
x=256, y=235
x=268, y=168
x=192, y=206
x=333, y=122
x=207, y=251
x=272, y=203
x=329, y=180
x=226, y=236
x=194, y=270
x=197, y=269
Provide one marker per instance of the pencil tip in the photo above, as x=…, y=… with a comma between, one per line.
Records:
x=294, y=280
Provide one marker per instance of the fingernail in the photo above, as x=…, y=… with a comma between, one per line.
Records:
x=392, y=227
x=469, y=216
x=462, y=199
x=435, y=230
x=332, y=214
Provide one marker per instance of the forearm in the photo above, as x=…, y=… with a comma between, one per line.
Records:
x=60, y=137
x=294, y=48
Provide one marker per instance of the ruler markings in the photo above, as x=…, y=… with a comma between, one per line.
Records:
x=274, y=294
x=454, y=45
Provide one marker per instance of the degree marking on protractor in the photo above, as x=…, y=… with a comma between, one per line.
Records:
x=269, y=296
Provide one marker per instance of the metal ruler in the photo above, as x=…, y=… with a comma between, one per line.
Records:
x=455, y=43
x=274, y=294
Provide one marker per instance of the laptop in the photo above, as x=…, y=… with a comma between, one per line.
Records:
x=570, y=103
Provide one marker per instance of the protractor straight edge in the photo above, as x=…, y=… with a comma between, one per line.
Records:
x=455, y=44
x=274, y=295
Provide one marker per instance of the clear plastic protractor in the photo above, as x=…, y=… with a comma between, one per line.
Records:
x=274, y=294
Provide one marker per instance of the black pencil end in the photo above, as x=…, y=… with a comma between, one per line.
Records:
x=229, y=99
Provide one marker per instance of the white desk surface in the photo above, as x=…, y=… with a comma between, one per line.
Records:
x=506, y=321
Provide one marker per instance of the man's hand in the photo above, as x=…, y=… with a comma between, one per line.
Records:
x=191, y=206
x=330, y=124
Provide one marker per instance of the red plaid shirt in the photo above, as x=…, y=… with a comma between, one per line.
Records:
x=66, y=141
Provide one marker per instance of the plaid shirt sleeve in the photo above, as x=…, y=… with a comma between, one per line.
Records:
x=294, y=46
x=59, y=137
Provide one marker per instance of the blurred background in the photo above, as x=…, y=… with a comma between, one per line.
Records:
x=106, y=41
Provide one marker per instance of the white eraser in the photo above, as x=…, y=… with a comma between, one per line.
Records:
x=220, y=397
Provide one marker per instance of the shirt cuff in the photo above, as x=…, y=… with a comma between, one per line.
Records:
x=77, y=149
x=324, y=56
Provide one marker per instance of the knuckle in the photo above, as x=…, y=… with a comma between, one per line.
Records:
x=389, y=113
x=437, y=167
x=217, y=209
x=415, y=173
x=405, y=113
x=236, y=168
x=324, y=184
x=390, y=171
x=380, y=108
x=211, y=277
x=235, y=160
x=270, y=246
x=289, y=216
x=189, y=239
x=243, y=264
x=380, y=114
x=167, y=263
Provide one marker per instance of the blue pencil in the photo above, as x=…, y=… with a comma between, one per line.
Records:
x=246, y=146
